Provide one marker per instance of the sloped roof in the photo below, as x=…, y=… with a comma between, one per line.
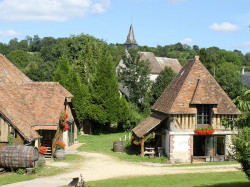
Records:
x=29, y=105
x=153, y=65
x=148, y=124
x=157, y=64
x=177, y=97
x=16, y=110
x=169, y=62
x=202, y=95
x=45, y=99
x=131, y=36
x=10, y=73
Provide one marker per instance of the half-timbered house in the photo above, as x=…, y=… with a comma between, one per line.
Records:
x=193, y=99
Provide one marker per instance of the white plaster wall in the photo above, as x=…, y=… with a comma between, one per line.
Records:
x=167, y=143
x=181, y=147
x=65, y=138
x=153, y=77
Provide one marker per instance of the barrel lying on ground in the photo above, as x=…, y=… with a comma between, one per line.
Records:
x=18, y=156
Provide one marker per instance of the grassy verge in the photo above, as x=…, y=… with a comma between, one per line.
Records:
x=10, y=178
x=224, y=179
x=104, y=144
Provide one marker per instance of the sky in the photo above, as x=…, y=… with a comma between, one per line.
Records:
x=206, y=23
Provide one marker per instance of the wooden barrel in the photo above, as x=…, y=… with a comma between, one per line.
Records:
x=18, y=156
x=118, y=146
x=60, y=154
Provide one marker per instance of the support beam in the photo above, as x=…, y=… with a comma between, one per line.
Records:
x=142, y=147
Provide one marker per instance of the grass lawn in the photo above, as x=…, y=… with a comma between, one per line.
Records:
x=104, y=144
x=225, y=179
x=10, y=178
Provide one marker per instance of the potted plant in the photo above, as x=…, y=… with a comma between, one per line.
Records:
x=60, y=152
x=204, y=130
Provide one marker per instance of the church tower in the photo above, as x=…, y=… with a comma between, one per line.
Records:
x=131, y=42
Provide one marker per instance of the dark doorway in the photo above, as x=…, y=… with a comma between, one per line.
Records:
x=199, y=145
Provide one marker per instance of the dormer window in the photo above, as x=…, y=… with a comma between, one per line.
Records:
x=203, y=115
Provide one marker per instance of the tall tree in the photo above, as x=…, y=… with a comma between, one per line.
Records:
x=105, y=91
x=69, y=78
x=135, y=76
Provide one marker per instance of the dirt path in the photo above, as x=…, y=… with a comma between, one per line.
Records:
x=97, y=166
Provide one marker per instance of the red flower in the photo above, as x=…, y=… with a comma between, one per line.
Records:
x=66, y=127
x=204, y=130
x=42, y=149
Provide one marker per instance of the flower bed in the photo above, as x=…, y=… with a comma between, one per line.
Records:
x=204, y=130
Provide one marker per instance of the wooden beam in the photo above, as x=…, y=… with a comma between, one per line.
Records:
x=148, y=136
x=142, y=147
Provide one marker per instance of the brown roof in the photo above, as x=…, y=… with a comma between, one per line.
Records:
x=202, y=95
x=148, y=124
x=153, y=65
x=169, y=62
x=45, y=99
x=185, y=89
x=157, y=64
x=10, y=73
x=29, y=105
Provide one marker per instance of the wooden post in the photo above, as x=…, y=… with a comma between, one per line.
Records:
x=142, y=147
x=192, y=159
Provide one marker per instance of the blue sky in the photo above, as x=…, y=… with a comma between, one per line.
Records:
x=220, y=23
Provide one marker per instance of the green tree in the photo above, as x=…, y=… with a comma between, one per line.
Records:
x=19, y=58
x=228, y=76
x=105, y=92
x=68, y=77
x=161, y=83
x=135, y=76
x=242, y=139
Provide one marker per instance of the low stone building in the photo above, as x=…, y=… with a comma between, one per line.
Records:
x=30, y=111
x=193, y=99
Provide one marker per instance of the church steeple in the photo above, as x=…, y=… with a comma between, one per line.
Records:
x=131, y=42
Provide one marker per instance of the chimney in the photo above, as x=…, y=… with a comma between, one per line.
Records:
x=242, y=71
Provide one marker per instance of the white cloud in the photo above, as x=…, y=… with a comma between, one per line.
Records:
x=9, y=33
x=224, y=27
x=50, y=10
x=186, y=41
x=244, y=45
x=99, y=8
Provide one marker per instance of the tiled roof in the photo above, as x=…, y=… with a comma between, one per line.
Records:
x=157, y=64
x=202, y=94
x=154, y=66
x=10, y=73
x=181, y=92
x=169, y=62
x=29, y=105
x=45, y=99
x=148, y=124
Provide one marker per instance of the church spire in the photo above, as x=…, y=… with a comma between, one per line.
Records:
x=131, y=42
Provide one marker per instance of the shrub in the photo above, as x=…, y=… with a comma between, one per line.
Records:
x=242, y=143
x=20, y=171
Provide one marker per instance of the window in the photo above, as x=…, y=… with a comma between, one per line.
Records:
x=203, y=115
